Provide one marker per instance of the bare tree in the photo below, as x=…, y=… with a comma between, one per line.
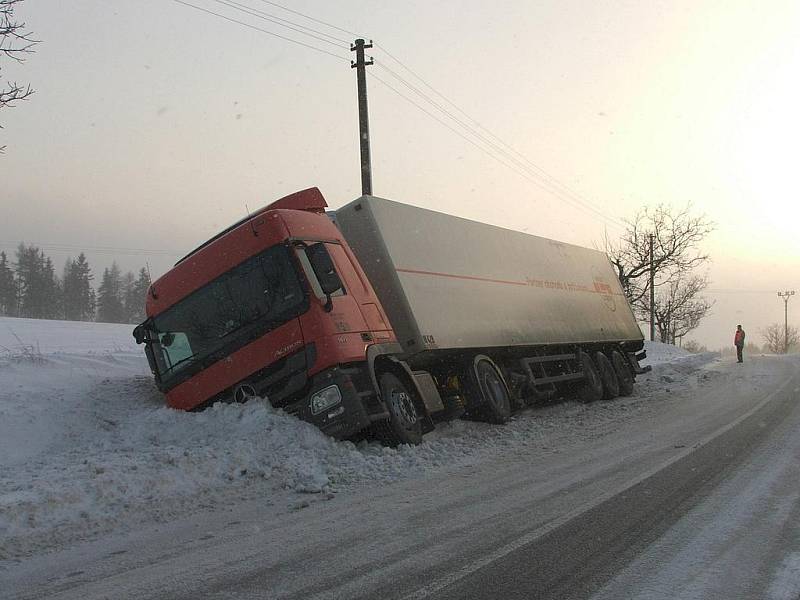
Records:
x=677, y=235
x=679, y=307
x=15, y=43
x=776, y=338
x=676, y=248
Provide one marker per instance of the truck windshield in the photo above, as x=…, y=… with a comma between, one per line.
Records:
x=254, y=297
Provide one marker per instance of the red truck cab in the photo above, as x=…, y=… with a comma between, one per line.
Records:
x=275, y=306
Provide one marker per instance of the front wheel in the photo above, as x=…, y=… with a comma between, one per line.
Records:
x=403, y=425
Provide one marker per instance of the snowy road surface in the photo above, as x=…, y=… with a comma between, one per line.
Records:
x=685, y=490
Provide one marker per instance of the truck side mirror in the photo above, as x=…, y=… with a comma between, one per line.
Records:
x=330, y=283
x=140, y=333
x=326, y=273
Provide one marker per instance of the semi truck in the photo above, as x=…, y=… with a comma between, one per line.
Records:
x=383, y=319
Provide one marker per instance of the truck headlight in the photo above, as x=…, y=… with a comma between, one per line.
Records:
x=325, y=398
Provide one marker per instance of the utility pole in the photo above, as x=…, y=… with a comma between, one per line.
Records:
x=652, y=293
x=363, y=113
x=786, y=295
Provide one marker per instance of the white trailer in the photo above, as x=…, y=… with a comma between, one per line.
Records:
x=473, y=299
x=448, y=282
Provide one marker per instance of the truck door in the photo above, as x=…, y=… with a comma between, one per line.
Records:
x=334, y=322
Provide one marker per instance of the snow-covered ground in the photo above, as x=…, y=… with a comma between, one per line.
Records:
x=87, y=446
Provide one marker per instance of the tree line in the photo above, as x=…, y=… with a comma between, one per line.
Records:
x=31, y=288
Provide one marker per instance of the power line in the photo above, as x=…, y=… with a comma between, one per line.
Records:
x=230, y=2
x=461, y=135
x=296, y=27
x=785, y=297
x=266, y=31
x=475, y=121
x=518, y=167
x=529, y=165
x=310, y=18
x=534, y=173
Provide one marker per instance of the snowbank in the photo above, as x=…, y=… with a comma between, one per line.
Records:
x=87, y=445
x=48, y=337
x=658, y=353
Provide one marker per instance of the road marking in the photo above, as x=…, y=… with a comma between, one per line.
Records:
x=449, y=579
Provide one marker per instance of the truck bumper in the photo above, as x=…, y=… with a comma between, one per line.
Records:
x=351, y=414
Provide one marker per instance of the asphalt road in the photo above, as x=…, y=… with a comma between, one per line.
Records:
x=571, y=522
x=577, y=558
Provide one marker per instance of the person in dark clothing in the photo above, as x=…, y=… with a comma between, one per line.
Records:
x=738, y=341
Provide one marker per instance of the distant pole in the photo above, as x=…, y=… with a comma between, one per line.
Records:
x=786, y=295
x=363, y=113
x=652, y=293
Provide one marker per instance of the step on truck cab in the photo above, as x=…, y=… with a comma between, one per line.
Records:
x=384, y=317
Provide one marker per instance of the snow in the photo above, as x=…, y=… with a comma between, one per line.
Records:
x=658, y=353
x=87, y=446
x=52, y=337
x=740, y=541
x=786, y=584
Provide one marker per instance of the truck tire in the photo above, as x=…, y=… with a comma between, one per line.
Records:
x=624, y=373
x=592, y=388
x=608, y=375
x=489, y=388
x=403, y=425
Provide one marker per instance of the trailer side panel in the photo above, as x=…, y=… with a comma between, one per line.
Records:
x=448, y=282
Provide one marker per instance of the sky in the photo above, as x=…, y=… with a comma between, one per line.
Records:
x=155, y=124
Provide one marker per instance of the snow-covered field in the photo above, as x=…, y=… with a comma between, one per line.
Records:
x=87, y=446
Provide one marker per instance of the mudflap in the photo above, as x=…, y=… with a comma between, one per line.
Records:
x=427, y=424
x=634, y=359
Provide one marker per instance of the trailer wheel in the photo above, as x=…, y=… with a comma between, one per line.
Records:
x=403, y=425
x=592, y=388
x=607, y=374
x=488, y=385
x=624, y=373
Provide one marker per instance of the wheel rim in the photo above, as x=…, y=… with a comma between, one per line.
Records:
x=493, y=388
x=403, y=408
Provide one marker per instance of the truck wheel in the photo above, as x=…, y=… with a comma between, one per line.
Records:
x=489, y=387
x=607, y=374
x=592, y=388
x=403, y=425
x=624, y=373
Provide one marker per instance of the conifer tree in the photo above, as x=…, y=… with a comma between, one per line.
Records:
x=70, y=291
x=8, y=288
x=86, y=295
x=110, y=307
x=51, y=301
x=79, y=297
x=128, y=302
x=38, y=288
x=30, y=277
x=135, y=297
